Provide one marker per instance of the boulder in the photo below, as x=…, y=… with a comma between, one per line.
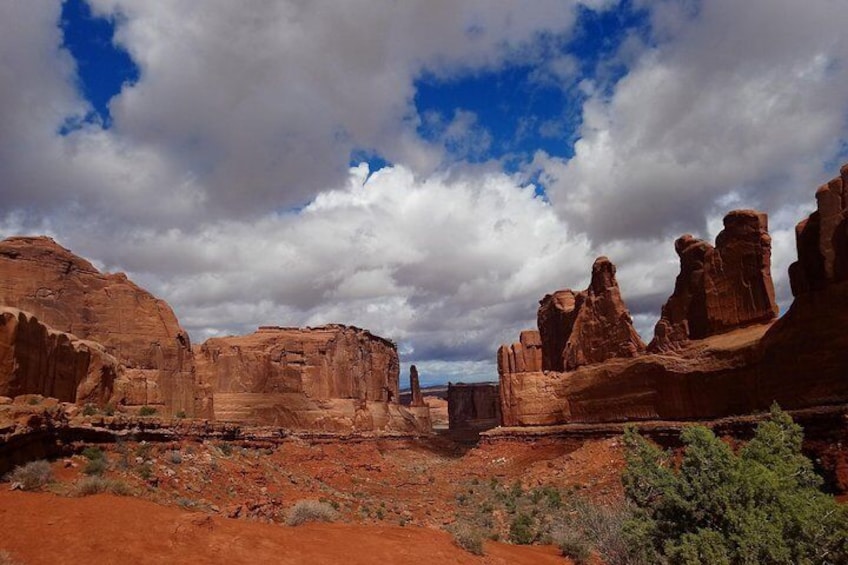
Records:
x=69, y=294
x=719, y=288
x=330, y=378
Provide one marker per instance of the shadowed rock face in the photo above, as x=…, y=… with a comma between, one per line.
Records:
x=35, y=359
x=473, y=406
x=555, y=319
x=719, y=288
x=69, y=294
x=332, y=378
x=822, y=240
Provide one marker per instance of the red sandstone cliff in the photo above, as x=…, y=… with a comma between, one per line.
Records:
x=331, y=378
x=35, y=359
x=582, y=328
x=69, y=294
x=719, y=288
x=710, y=357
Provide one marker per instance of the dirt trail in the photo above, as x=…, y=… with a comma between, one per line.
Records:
x=40, y=528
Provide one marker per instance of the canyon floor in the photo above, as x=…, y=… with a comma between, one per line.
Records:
x=217, y=501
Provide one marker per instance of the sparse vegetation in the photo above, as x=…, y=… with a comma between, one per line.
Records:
x=175, y=457
x=468, y=538
x=310, y=511
x=522, y=531
x=181, y=414
x=589, y=526
x=146, y=411
x=575, y=546
x=513, y=513
x=89, y=410
x=31, y=476
x=96, y=463
x=145, y=471
x=97, y=484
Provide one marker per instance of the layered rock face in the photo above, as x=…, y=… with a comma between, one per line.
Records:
x=35, y=359
x=822, y=240
x=806, y=351
x=575, y=329
x=719, y=288
x=69, y=294
x=581, y=328
x=473, y=406
x=330, y=378
x=718, y=351
x=523, y=356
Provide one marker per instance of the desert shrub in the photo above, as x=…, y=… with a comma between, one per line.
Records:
x=575, y=546
x=310, y=511
x=96, y=463
x=175, y=457
x=33, y=401
x=510, y=512
x=521, y=530
x=89, y=410
x=92, y=453
x=146, y=411
x=225, y=448
x=145, y=471
x=96, y=484
x=468, y=538
x=181, y=414
x=109, y=409
x=31, y=476
x=597, y=527
x=760, y=505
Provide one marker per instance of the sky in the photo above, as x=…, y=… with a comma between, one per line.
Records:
x=426, y=169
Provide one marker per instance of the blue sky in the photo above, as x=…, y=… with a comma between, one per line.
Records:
x=531, y=104
x=427, y=170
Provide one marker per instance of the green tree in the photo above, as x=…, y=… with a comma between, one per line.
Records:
x=761, y=505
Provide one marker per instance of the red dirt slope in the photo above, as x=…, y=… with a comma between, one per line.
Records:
x=43, y=528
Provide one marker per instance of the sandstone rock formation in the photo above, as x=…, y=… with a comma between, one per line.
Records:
x=69, y=294
x=35, y=359
x=719, y=288
x=330, y=378
x=822, y=240
x=526, y=355
x=575, y=329
x=711, y=358
x=581, y=328
x=473, y=406
x=415, y=387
